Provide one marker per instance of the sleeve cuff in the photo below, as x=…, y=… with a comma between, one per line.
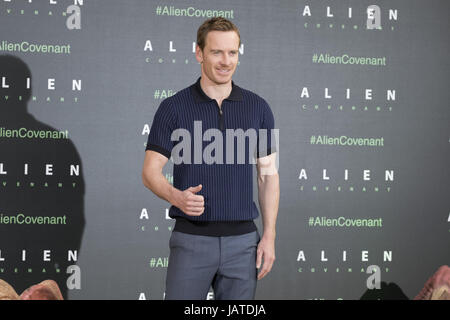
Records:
x=159, y=149
x=266, y=153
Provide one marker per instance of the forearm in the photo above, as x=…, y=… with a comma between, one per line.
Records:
x=269, y=197
x=159, y=185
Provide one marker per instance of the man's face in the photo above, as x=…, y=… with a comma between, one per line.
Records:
x=219, y=56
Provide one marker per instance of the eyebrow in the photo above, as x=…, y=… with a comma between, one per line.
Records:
x=219, y=50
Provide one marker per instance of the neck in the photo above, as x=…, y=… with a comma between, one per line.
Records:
x=217, y=91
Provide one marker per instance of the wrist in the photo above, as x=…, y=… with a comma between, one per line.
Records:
x=269, y=234
x=173, y=196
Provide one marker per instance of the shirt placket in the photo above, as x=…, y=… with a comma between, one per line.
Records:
x=221, y=115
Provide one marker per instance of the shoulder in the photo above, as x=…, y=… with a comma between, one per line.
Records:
x=173, y=103
x=258, y=104
x=252, y=96
x=255, y=99
x=260, y=107
x=180, y=96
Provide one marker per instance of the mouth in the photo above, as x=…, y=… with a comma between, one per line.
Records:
x=223, y=71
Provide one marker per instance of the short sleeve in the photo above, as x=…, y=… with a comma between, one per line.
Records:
x=164, y=123
x=267, y=135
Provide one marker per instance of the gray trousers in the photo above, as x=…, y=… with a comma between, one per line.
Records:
x=196, y=263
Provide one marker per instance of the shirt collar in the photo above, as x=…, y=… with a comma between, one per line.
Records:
x=200, y=95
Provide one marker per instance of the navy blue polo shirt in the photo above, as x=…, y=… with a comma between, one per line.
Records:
x=227, y=187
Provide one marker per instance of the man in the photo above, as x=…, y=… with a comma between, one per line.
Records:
x=215, y=241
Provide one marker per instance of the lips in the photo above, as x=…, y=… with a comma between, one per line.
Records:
x=223, y=71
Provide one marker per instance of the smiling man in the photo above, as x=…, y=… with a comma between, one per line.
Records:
x=215, y=241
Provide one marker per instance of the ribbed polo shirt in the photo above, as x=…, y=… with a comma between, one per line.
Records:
x=227, y=188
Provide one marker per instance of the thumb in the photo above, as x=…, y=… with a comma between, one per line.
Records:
x=195, y=189
x=259, y=255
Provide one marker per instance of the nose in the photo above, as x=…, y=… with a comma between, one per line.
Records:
x=225, y=60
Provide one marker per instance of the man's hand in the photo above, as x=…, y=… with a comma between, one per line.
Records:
x=190, y=203
x=266, y=252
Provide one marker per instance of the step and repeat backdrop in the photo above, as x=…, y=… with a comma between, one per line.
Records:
x=359, y=92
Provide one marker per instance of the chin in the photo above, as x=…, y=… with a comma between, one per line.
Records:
x=222, y=79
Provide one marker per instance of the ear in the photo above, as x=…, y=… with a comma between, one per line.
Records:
x=198, y=54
